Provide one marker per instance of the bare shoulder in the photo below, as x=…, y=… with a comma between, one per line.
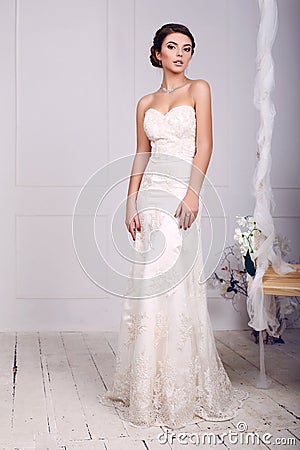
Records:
x=200, y=88
x=200, y=92
x=144, y=103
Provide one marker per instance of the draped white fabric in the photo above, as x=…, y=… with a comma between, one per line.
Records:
x=259, y=305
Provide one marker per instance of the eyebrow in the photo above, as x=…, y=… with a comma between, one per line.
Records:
x=172, y=42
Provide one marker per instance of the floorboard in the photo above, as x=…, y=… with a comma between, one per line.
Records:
x=49, y=384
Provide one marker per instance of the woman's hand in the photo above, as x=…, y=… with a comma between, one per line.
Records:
x=132, y=220
x=188, y=210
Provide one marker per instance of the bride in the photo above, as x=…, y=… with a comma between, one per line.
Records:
x=168, y=371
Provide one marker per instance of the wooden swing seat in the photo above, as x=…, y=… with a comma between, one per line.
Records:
x=286, y=285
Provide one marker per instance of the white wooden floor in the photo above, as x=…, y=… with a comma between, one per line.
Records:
x=49, y=382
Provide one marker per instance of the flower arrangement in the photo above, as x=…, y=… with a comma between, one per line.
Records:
x=238, y=263
x=248, y=240
x=231, y=281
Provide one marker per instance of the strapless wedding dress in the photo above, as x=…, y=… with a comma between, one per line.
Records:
x=168, y=371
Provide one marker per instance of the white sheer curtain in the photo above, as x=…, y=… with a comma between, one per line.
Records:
x=259, y=305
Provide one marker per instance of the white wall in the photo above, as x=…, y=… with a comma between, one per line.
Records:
x=71, y=74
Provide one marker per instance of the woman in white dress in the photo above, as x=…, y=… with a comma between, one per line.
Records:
x=168, y=371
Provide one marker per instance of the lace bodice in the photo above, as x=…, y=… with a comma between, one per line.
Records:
x=173, y=133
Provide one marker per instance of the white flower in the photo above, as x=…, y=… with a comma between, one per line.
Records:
x=214, y=283
x=238, y=235
x=244, y=250
x=241, y=220
x=247, y=236
x=251, y=221
x=223, y=289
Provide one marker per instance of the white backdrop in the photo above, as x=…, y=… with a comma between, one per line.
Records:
x=72, y=72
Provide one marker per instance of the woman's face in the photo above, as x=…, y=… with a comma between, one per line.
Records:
x=176, y=52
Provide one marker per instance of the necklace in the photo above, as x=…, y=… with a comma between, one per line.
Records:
x=168, y=91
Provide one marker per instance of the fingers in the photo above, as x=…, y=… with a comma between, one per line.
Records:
x=191, y=219
x=186, y=221
x=187, y=217
x=178, y=210
x=137, y=221
x=131, y=229
x=133, y=226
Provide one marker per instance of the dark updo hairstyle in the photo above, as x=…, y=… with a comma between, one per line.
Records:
x=162, y=33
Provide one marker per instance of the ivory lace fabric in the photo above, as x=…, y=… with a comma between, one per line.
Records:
x=168, y=371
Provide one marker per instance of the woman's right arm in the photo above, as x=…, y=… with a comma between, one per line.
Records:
x=143, y=152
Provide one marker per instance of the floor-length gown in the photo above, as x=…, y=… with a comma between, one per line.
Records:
x=168, y=371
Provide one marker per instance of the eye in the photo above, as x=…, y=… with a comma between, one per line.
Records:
x=187, y=49
x=171, y=46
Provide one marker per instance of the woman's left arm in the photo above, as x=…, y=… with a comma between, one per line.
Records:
x=189, y=207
